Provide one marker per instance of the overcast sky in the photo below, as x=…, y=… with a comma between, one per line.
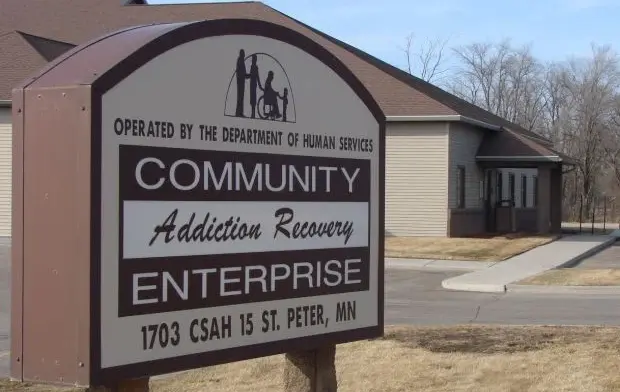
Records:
x=555, y=28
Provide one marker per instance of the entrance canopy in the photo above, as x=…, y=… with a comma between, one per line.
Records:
x=509, y=149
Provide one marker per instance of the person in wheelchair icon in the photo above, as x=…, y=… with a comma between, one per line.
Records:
x=268, y=107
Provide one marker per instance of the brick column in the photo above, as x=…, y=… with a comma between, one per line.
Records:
x=544, y=200
x=556, y=200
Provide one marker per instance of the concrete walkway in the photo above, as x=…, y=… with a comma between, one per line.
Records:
x=563, y=252
x=447, y=265
x=606, y=259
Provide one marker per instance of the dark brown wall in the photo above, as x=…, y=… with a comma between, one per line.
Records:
x=526, y=219
x=466, y=222
x=517, y=220
x=544, y=200
x=556, y=200
x=504, y=219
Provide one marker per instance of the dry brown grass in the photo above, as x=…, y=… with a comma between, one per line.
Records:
x=468, y=358
x=11, y=386
x=575, y=277
x=446, y=359
x=475, y=249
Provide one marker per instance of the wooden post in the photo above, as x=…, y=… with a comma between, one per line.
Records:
x=580, y=211
x=604, y=212
x=593, y=214
x=135, y=385
x=311, y=371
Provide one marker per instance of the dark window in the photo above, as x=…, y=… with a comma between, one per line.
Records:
x=500, y=186
x=523, y=191
x=535, y=191
x=487, y=185
x=511, y=185
x=460, y=186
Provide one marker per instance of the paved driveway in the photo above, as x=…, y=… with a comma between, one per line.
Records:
x=416, y=297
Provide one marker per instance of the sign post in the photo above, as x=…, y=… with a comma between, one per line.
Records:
x=311, y=371
x=194, y=194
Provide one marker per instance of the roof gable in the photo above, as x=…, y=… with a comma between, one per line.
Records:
x=48, y=48
x=82, y=20
x=17, y=55
x=77, y=21
x=512, y=146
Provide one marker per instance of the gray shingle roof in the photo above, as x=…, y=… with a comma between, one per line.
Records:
x=47, y=28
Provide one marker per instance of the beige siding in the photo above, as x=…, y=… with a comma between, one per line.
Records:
x=416, y=179
x=464, y=142
x=5, y=171
x=529, y=174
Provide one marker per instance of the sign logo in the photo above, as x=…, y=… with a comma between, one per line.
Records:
x=260, y=89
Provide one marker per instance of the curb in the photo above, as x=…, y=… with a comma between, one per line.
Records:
x=445, y=265
x=540, y=289
x=479, y=288
x=502, y=288
x=575, y=260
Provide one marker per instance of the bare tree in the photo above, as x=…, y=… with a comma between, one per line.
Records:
x=504, y=80
x=555, y=98
x=587, y=116
x=481, y=78
x=611, y=142
x=426, y=62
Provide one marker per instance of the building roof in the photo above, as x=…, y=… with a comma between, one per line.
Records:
x=16, y=55
x=37, y=30
x=49, y=49
x=511, y=146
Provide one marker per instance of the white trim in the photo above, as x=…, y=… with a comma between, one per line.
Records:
x=483, y=124
x=469, y=120
x=452, y=117
x=449, y=117
x=521, y=158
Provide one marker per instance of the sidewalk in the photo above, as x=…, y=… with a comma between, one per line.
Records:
x=417, y=264
x=565, y=251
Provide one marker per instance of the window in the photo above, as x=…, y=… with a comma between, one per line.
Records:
x=523, y=191
x=460, y=187
x=511, y=185
x=500, y=186
x=487, y=186
x=535, y=191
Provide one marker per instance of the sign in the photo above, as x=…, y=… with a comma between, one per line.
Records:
x=237, y=200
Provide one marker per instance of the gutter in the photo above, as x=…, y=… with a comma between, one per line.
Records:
x=449, y=117
x=458, y=117
x=552, y=158
x=5, y=103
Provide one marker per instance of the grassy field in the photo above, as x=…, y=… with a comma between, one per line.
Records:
x=473, y=249
x=576, y=277
x=450, y=359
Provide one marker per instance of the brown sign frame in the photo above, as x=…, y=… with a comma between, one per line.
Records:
x=144, y=43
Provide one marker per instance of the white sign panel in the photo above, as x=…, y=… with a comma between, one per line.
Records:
x=240, y=205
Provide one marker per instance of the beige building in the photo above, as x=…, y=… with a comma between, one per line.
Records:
x=452, y=169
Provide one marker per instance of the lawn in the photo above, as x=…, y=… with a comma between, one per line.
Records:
x=575, y=277
x=496, y=248
x=445, y=359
